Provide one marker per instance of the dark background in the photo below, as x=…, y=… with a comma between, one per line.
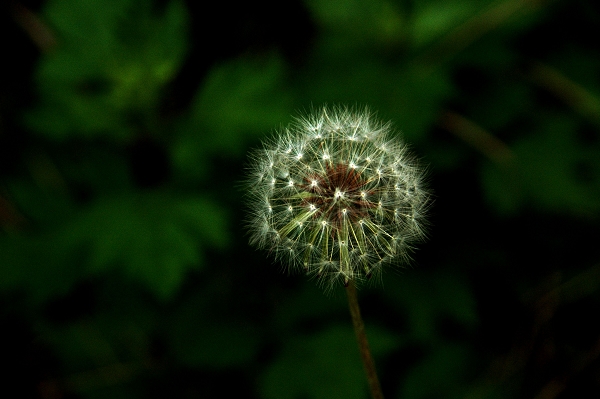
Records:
x=125, y=268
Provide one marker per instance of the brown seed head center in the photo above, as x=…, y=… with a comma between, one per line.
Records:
x=341, y=192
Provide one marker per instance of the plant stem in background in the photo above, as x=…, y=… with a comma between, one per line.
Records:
x=363, y=343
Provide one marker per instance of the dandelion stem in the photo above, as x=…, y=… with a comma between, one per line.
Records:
x=363, y=343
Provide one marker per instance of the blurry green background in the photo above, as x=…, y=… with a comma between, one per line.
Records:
x=124, y=265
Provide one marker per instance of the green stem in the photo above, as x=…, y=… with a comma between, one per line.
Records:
x=363, y=344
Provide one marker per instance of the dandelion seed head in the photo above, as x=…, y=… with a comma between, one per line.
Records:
x=344, y=198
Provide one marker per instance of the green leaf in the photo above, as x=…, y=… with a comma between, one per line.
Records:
x=200, y=335
x=503, y=187
x=360, y=22
x=204, y=218
x=110, y=66
x=443, y=373
x=36, y=265
x=427, y=298
x=41, y=205
x=410, y=96
x=553, y=172
x=97, y=353
x=152, y=238
x=213, y=345
x=432, y=19
x=308, y=303
x=323, y=365
x=240, y=100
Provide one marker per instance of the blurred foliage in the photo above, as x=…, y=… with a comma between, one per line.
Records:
x=123, y=132
x=114, y=59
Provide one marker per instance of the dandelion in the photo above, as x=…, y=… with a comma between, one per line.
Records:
x=336, y=195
